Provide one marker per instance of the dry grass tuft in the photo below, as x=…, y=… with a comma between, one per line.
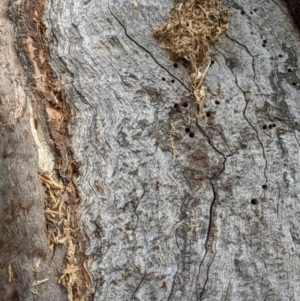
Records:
x=193, y=26
x=61, y=230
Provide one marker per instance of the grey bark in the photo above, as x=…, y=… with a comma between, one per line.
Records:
x=221, y=222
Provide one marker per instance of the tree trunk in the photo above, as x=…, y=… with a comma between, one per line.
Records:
x=153, y=202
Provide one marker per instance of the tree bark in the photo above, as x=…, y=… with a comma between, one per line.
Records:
x=220, y=222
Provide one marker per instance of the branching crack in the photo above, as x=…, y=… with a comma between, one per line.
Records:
x=208, y=139
x=147, y=51
x=248, y=121
x=209, y=230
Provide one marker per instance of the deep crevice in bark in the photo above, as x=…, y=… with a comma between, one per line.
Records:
x=54, y=114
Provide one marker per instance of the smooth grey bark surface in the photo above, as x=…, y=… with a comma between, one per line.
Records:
x=221, y=222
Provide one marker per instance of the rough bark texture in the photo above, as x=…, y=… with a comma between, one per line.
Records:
x=24, y=253
x=222, y=221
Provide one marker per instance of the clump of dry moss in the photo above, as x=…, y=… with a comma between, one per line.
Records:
x=193, y=26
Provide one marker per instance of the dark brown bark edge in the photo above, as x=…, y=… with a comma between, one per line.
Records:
x=294, y=7
x=23, y=232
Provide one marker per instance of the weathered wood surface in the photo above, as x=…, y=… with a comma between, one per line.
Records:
x=222, y=221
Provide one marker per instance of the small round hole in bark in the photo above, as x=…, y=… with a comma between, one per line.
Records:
x=255, y=9
x=289, y=70
x=187, y=130
x=265, y=187
x=208, y=114
x=217, y=102
x=270, y=126
x=163, y=79
x=212, y=62
x=265, y=41
x=191, y=135
x=185, y=104
x=176, y=106
x=254, y=201
x=294, y=84
x=265, y=127
x=172, y=81
x=274, y=125
x=280, y=55
x=175, y=65
x=185, y=63
x=243, y=12
x=263, y=45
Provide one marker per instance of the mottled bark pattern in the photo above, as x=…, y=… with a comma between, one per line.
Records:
x=222, y=221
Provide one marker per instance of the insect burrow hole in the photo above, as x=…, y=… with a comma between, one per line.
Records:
x=208, y=114
x=217, y=102
x=185, y=104
x=172, y=81
x=187, y=130
x=264, y=187
x=163, y=79
x=265, y=127
x=191, y=135
x=254, y=201
x=175, y=65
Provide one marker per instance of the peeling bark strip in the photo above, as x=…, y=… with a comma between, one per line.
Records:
x=193, y=26
x=53, y=116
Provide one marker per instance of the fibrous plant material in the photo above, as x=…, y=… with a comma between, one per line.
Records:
x=61, y=230
x=193, y=26
x=53, y=114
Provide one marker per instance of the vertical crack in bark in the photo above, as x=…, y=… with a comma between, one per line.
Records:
x=209, y=230
x=61, y=195
x=257, y=136
x=245, y=109
x=188, y=34
x=207, y=277
x=138, y=287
